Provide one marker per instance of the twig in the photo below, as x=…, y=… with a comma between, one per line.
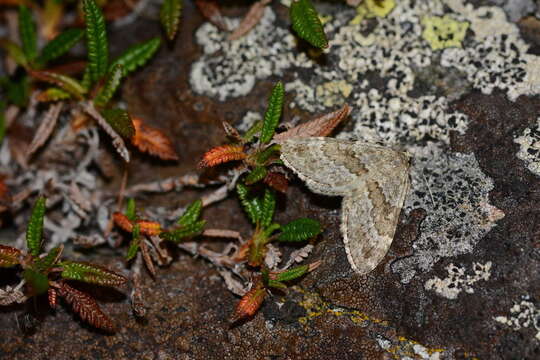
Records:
x=45, y=129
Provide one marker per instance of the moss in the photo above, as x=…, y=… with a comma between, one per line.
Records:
x=443, y=32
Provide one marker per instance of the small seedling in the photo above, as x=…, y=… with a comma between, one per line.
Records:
x=47, y=273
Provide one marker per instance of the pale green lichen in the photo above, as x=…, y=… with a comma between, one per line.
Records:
x=442, y=32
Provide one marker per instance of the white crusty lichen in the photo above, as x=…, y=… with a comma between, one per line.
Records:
x=524, y=314
x=458, y=280
x=529, y=147
x=454, y=191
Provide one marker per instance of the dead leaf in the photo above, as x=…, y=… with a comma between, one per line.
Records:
x=252, y=18
x=211, y=11
x=117, y=140
x=151, y=140
x=321, y=126
x=147, y=258
x=45, y=129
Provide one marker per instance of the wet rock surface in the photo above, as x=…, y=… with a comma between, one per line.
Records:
x=332, y=313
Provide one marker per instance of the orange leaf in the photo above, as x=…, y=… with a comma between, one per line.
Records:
x=249, y=304
x=151, y=140
x=122, y=222
x=222, y=154
x=146, y=227
x=150, y=228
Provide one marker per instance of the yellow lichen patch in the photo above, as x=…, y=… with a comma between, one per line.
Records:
x=372, y=8
x=443, y=32
x=333, y=92
x=398, y=346
x=379, y=8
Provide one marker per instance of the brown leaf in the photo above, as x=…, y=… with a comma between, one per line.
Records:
x=321, y=126
x=252, y=18
x=151, y=140
x=231, y=132
x=210, y=10
x=53, y=297
x=117, y=140
x=249, y=304
x=9, y=256
x=277, y=181
x=45, y=129
x=84, y=305
x=147, y=258
x=222, y=154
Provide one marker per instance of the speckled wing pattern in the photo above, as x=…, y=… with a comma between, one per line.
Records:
x=374, y=181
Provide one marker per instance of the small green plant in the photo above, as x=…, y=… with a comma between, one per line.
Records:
x=47, y=273
x=188, y=226
x=100, y=81
x=254, y=147
x=267, y=282
x=260, y=211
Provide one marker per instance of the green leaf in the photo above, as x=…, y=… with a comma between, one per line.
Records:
x=39, y=283
x=170, y=16
x=120, y=120
x=137, y=55
x=60, y=45
x=134, y=244
x=256, y=175
x=112, y=83
x=268, y=208
x=191, y=214
x=252, y=206
x=131, y=210
x=253, y=131
x=96, y=38
x=273, y=113
x=65, y=82
x=305, y=21
x=184, y=232
x=276, y=284
x=91, y=273
x=86, y=81
x=27, y=33
x=263, y=156
x=270, y=229
x=34, y=231
x=17, y=91
x=9, y=256
x=44, y=264
x=53, y=94
x=293, y=273
x=14, y=51
x=299, y=230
